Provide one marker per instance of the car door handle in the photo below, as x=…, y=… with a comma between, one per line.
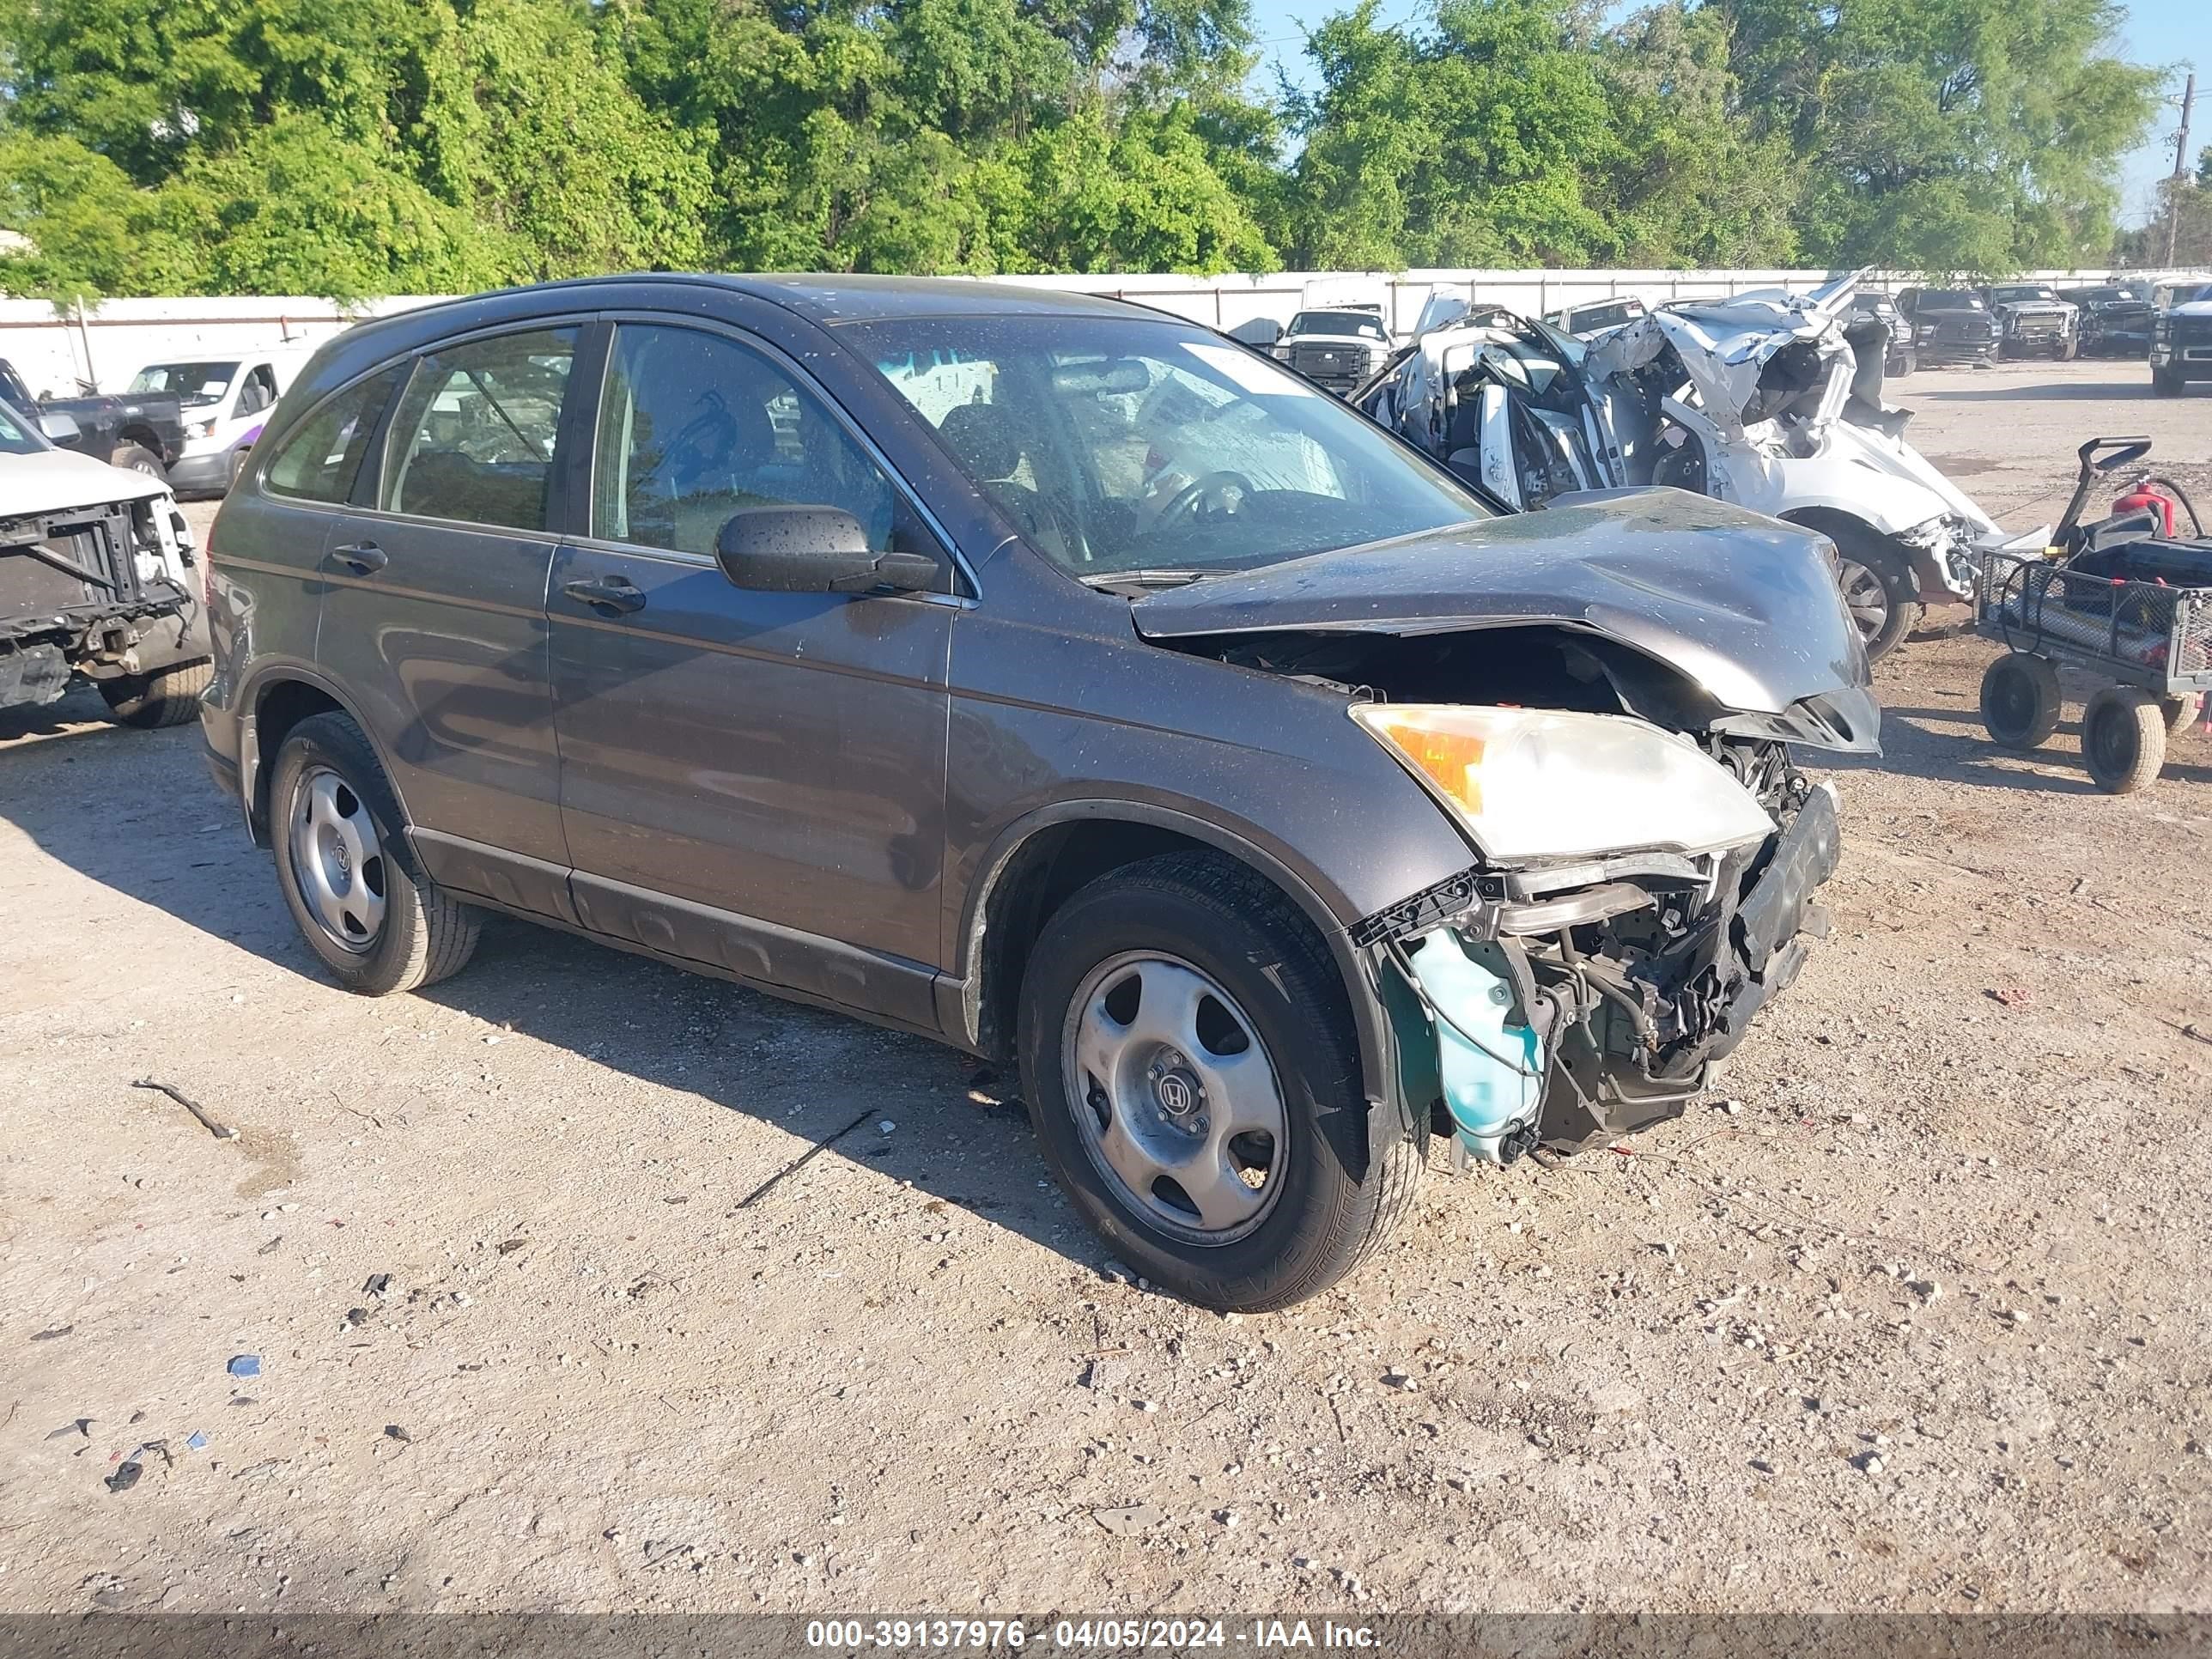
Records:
x=611, y=595
x=362, y=558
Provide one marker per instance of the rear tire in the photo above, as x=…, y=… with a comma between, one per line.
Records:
x=137, y=457
x=1345, y=1179
x=2068, y=349
x=2020, y=699
x=167, y=696
x=2181, y=712
x=419, y=934
x=2123, y=738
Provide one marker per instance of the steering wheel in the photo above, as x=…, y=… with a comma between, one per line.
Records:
x=1210, y=488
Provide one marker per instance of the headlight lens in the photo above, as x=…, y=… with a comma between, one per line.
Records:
x=1539, y=783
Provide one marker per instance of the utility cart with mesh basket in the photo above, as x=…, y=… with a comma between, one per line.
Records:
x=2128, y=604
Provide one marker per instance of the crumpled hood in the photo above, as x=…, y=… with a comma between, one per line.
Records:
x=1744, y=605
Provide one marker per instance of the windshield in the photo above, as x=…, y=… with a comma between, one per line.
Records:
x=194, y=384
x=17, y=436
x=1944, y=299
x=2024, y=293
x=1361, y=323
x=1125, y=445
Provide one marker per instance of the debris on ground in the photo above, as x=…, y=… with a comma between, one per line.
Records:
x=244, y=1364
x=221, y=1131
x=1129, y=1517
x=50, y=1332
x=125, y=1476
x=196, y=1441
x=377, y=1285
x=393, y=1431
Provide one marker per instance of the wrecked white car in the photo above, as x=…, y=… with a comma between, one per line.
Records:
x=97, y=580
x=1772, y=400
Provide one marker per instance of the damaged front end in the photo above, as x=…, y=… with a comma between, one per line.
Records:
x=1566, y=1005
x=1604, y=698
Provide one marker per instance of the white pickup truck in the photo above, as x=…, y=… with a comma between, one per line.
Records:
x=99, y=578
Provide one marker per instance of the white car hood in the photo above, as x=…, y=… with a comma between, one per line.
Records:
x=54, y=479
x=2194, y=308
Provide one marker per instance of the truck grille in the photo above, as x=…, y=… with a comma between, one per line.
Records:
x=1321, y=363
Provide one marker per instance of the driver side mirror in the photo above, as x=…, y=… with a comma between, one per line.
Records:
x=813, y=549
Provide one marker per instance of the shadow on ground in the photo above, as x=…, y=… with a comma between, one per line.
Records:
x=2072, y=392
x=1916, y=743
x=137, y=813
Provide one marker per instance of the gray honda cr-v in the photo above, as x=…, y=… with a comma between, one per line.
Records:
x=1053, y=679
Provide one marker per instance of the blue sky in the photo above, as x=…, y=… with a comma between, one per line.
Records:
x=2177, y=32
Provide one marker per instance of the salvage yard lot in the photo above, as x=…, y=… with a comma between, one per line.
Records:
x=1910, y=1315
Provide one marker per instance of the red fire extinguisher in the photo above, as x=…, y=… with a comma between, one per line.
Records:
x=2143, y=499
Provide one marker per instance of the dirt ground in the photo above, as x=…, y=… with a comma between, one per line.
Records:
x=1912, y=1315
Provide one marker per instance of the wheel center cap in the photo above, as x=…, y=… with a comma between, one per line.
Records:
x=342, y=860
x=1178, y=1095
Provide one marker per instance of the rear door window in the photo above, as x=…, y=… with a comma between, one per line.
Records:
x=472, y=439
x=321, y=458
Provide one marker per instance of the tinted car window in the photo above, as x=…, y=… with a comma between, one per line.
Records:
x=259, y=391
x=1118, y=445
x=694, y=426
x=1363, y=324
x=318, y=461
x=194, y=384
x=472, y=439
x=1607, y=316
x=16, y=437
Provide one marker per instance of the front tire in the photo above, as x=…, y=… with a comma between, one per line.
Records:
x=359, y=899
x=2123, y=738
x=2164, y=383
x=1193, y=1072
x=137, y=457
x=167, y=696
x=1878, y=589
x=2020, y=699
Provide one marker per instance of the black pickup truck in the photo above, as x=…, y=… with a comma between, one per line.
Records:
x=143, y=433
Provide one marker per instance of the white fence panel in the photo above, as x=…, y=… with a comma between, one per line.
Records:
x=103, y=347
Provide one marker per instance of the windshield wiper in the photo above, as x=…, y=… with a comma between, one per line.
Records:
x=1153, y=578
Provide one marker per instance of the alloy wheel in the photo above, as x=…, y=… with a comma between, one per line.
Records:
x=1866, y=596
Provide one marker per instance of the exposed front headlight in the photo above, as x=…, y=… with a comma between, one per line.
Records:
x=1540, y=783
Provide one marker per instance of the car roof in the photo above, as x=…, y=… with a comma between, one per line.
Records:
x=850, y=298
x=826, y=300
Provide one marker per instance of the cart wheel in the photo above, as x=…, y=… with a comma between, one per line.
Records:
x=2181, y=712
x=2123, y=738
x=2020, y=699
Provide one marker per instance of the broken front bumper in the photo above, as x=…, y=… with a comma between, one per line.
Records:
x=1571, y=1019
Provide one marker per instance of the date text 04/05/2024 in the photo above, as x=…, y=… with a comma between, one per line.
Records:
x=1095, y=1635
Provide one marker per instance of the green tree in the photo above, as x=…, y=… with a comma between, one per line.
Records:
x=1692, y=184
x=1977, y=135
x=294, y=145
x=1470, y=142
